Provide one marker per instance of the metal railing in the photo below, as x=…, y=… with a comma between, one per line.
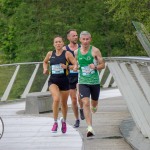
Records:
x=130, y=74
x=105, y=77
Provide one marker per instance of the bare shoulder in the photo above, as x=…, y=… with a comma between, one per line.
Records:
x=96, y=51
x=97, y=54
x=76, y=52
x=68, y=54
x=49, y=54
x=64, y=48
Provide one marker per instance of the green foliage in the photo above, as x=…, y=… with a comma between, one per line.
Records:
x=27, y=27
x=5, y=76
x=126, y=11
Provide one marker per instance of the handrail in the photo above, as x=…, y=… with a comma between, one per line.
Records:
x=25, y=63
x=106, y=79
x=126, y=59
x=132, y=75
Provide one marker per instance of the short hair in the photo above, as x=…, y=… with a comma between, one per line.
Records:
x=68, y=32
x=85, y=33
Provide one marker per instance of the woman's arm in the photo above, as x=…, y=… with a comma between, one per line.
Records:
x=45, y=63
x=71, y=59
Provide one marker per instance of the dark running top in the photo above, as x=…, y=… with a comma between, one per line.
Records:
x=71, y=72
x=55, y=68
x=68, y=49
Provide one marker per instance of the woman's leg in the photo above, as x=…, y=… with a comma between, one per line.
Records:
x=64, y=105
x=54, y=90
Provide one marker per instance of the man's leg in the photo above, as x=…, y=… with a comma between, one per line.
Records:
x=74, y=102
x=80, y=104
x=85, y=93
x=75, y=107
x=87, y=111
x=88, y=116
x=95, y=91
x=94, y=105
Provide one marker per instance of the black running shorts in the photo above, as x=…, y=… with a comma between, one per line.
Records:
x=87, y=90
x=61, y=82
x=73, y=80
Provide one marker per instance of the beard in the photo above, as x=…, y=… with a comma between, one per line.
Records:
x=75, y=42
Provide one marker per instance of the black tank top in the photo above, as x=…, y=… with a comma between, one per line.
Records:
x=68, y=49
x=55, y=68
x=72, y=73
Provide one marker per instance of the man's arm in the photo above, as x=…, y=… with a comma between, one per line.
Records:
x=98, y=56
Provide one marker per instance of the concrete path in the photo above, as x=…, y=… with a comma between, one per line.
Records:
x=33, y=132
x=23, y=132
x=106, y=122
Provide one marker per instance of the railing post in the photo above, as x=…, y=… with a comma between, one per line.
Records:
x=44, y=89
x=126, y=91
x=28, y=87
x=9, y=86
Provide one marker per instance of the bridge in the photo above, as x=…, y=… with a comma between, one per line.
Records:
x=124, y=105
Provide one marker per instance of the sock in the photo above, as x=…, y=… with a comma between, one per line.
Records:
x=55, y=120
x=89, y=126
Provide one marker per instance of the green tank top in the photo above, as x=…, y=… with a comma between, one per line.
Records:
x=86, y=74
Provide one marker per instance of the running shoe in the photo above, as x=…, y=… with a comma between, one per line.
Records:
x=82, y=114
x=94, y=109
x=64, y=126
x=90, y=132
x=54, y=128
x=77, y=124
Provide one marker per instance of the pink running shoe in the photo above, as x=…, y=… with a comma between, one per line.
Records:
x=64, y=126
x=55, y=127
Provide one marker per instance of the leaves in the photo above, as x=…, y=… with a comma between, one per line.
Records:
x=27, y=27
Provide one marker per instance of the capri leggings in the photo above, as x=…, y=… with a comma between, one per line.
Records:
x=87, y=90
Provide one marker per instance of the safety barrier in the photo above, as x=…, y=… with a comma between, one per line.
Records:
x=35, y=70
x=132, y=75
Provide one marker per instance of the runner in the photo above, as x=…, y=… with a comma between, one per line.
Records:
x=58, y=82
x=72, y=36
x=89, y=84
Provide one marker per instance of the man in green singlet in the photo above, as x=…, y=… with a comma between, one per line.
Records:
x=90, y=61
